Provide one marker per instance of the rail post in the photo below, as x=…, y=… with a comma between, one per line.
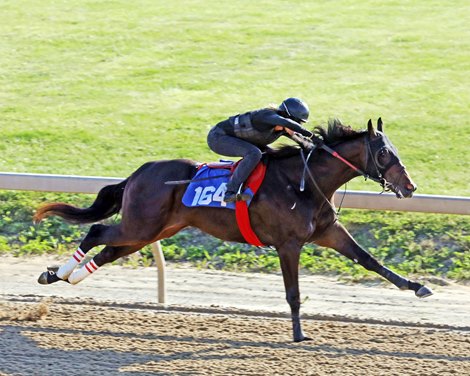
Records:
x=161, y=270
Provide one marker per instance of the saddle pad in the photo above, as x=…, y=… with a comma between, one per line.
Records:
x=208, y=188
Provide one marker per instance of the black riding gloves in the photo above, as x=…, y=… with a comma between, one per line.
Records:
x=303, y=141
x=306, y=133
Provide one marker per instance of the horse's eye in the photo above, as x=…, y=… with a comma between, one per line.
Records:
x=384, y=152
x=383, y=156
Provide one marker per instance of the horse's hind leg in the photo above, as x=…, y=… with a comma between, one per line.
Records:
x=97, y=235
x=107, y=254
x=63, y=272
x=338, y=238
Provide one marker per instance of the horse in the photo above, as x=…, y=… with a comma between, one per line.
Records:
x=293, y=207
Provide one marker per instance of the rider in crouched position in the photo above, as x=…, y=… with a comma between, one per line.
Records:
x=246, y=135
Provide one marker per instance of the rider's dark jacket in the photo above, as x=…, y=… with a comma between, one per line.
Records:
x=257, y=127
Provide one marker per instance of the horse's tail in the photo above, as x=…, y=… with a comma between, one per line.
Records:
x=107, y=203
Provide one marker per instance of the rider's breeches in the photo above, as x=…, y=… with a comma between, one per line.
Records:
x=230, y=146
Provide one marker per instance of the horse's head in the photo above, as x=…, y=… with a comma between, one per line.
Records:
x=383, y=163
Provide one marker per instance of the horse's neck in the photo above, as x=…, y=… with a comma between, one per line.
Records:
x=340, y=173
x=329, y=172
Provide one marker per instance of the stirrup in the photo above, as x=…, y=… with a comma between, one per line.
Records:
x=230, y=197
x=233, y=197
x=243, y=197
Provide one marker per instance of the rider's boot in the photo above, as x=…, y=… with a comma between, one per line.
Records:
x=232, y=195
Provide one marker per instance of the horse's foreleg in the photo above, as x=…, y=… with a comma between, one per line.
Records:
x=289, y=254
x=338, y=238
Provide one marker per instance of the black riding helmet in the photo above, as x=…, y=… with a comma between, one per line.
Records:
x=296, y=109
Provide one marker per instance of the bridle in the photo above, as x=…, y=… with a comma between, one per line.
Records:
x=379, y=172
x=378, y=179
x=381, y=169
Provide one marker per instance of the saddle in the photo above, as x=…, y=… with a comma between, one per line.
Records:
x=208, y=186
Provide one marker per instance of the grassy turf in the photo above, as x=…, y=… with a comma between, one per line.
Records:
x=100, y=87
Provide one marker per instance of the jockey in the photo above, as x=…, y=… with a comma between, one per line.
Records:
x=246, y=135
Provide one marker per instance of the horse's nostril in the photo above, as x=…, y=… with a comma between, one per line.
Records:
x=411, y=187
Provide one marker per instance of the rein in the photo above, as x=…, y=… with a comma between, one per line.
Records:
x=379, y=179
x=386, y=186
x=307, y=170
x=335, y=154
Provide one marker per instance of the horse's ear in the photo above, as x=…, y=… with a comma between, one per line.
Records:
x=370, y=128
x=380, y=124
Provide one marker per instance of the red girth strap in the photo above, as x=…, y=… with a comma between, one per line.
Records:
x=241, y=208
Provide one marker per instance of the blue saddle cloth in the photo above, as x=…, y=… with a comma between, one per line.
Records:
x=208, y=188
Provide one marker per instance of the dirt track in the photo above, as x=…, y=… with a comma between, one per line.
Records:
x=105, y=340
x=188, y=287
x=110, y=324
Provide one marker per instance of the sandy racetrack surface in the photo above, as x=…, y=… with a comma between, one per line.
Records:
x=61, y=337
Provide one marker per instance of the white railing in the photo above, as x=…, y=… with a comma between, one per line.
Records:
x=353, y=199
x=419, y=203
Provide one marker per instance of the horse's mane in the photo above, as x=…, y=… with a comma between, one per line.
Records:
x=335, y=133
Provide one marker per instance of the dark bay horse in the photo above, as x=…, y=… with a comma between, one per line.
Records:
x=282, y=214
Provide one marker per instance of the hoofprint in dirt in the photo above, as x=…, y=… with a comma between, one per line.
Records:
x=322, y=296
x=78, y=339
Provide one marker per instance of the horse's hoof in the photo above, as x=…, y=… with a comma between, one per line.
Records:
x=301, y=339
x=423, y=292
x=46, y=278
x=54, y=268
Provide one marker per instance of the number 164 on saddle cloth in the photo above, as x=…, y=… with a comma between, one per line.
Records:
x=208, y=186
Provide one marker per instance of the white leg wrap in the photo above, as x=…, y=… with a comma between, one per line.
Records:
x=67, y=269
x=83, y=272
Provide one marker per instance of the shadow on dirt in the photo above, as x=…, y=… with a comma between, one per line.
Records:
x=22, y=355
